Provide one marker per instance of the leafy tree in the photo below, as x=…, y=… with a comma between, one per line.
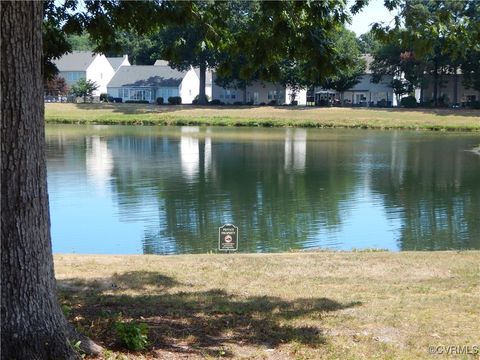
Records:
x=84, y=88
x=56, y=86
x=368, y=43
x=347, y=53
x=33, y=325
x=80, y=42
x=437, y=36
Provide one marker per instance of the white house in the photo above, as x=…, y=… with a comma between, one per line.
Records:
x=84, y=64
x=116, y=62
x=149, y=82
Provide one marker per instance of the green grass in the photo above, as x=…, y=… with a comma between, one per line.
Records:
x=332, y=305
x=265, y=116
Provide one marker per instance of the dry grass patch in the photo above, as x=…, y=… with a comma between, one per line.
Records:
x=426, y=119
x=333, y=305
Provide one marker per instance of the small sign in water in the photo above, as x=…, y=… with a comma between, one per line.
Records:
x=228, y=237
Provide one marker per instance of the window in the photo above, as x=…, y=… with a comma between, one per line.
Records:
x=73, y=76
x=272, y=95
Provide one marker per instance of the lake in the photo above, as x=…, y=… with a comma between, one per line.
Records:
x=167, y=190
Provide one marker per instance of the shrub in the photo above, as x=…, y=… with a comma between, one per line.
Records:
x=159, y=101
x=272, y=102
x=117, y=100
x=238, y=103
x=104, y=97
x=262, y=104
x=382, y=103
x=474, y=104
x=294, y=103
x=409, y=102
x=195, y=101
x=216, y=102
x=136, y=101
x=134, y=336
x=175, y=100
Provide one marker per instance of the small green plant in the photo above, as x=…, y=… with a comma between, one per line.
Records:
x=67, y=310
x=133, y=335
x=76, y=346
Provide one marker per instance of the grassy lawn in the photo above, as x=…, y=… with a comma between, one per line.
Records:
x=424, y=119
x=333, y=305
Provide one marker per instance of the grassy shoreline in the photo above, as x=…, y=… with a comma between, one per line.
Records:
x=333, y=305
x=266, y=116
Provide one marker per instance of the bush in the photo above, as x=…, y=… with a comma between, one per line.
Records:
x=294, y=103
x=195, y=101
x=159, y=101
x=117, y=100
x=133, y=335
x=238, y=103
x=137, y=101
x=216, y=102
x=382, y=103
x=174, y=100
x=272, y=102
x=409, y=102
x=474, y=104
x=104, y=97
x=262, y=104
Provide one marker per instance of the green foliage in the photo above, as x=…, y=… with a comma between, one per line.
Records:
x=351, y=64
x=174, y=100
x=133, y=336
x=80, y=42
x=104, y=97
x=159, y=101
x=368, y=43
x=409, y=102
x=137, y=102
x=196, y=100
x=84, y=88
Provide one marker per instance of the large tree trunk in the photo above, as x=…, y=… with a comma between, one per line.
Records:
x=202, y=99
x=33, y=325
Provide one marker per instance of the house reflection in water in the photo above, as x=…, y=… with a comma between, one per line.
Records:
x=99, y=162
x=295, y=149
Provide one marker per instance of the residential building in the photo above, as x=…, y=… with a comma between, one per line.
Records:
x=446, y=90
x=86, y=65
x=116, y=62
x=365, y=93
x=256, y=93
x=148, y=82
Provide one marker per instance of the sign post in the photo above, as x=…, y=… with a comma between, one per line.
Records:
x=228, y=238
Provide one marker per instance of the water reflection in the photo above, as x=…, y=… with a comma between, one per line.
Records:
x=168, y=190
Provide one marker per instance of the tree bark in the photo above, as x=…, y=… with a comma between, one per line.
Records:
x=33, y=325
x=202, y=99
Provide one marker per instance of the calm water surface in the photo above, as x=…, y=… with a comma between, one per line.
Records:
x=126, y=190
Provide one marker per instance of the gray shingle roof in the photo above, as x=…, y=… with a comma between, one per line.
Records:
x=75, y=61
x=115, y=62
x=147, y=76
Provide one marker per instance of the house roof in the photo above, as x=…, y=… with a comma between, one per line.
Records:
x=147, y=76
x=75, y=61
x=116, y=61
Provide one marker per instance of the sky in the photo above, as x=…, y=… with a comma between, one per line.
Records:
x=374, y=12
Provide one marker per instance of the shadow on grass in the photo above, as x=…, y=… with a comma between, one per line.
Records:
x=192, y=321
